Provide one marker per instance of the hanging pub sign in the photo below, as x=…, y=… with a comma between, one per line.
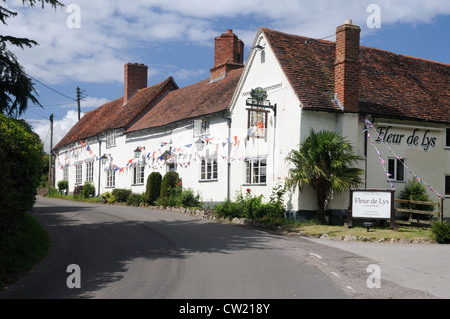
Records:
x=371, y=204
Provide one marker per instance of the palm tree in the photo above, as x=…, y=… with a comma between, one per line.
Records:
x=325, y=162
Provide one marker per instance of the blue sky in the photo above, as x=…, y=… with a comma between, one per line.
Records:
x=176, y=38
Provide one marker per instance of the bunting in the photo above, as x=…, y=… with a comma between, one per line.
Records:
x=369, y=126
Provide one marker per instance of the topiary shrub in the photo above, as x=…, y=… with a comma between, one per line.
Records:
x=88, y=190
x=121, y=195
x=168, y=183
x=63, y=186
x=153, y=190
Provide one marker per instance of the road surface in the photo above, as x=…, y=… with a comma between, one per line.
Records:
x=127, y=252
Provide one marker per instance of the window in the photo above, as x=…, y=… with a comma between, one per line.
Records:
x=111, y=138
x=396, y=169
x=66, y=173
x=79, y=173
x=201, y=127
x=138, y=174
x=209, y=169
x=90, y=171
x=257, y=123
x=447, y=137
x=256, y=171
x=447, y=185
x=110, y=178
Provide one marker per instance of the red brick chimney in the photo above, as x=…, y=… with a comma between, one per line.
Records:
x=228, y=55
x=135, y=79
x=347, y=66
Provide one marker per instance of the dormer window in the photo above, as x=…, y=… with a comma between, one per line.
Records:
x=201, y=127
x=111, y=139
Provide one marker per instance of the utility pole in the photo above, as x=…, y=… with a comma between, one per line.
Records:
x=50, y=179
x=78, y=100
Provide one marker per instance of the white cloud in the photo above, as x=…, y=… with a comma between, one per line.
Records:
x=111, y=30
x=60, y=128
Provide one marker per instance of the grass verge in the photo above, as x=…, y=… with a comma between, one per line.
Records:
x=375, y=233
x=26, y=248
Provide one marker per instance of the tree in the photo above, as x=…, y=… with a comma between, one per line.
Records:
x=325, y=162
x=16, y=87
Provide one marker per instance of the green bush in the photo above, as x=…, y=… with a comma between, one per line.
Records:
x=441, y=232
x=63, y=186
x=253, y=208
x=88, y=190
x=188, y=199
x=108, y=197
x=153, y=190
x=53, y=192
x=172, y=199
x=21, y=165
x=169, y=182
x=415, y=190
x=121, y=195
x=136, y=199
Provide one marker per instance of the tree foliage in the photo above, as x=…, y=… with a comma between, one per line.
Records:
x=16, y=87
x=21, y=166
x=325, y=162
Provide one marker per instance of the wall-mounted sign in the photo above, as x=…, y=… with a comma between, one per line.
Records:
x=371, y=204
x=421, y=138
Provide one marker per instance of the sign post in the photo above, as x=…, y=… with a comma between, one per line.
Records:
x=372, y=204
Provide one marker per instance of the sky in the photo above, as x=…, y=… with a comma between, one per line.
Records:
x=86, y=43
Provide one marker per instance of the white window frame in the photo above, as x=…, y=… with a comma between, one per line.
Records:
x=209, y=169
x=253, y=171
x=90, y=171
x=201, y=127
x=66, y=173
x=396, y=165
x=110, y=138
x=110, y=178
x=79, y=174
x=138, y=174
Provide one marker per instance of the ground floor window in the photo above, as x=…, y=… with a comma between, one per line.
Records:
x=209, y=169
x=138, y=174
x=79, y=173
x=90, y=172
x=110, y=178
x=396, y=169
x=256, y=172
x=66, y=173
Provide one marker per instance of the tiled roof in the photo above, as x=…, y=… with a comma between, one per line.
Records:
x=391, y=84
x=115, y=114
x=196, y=100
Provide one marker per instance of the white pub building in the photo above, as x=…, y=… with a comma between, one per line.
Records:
x=233, y=131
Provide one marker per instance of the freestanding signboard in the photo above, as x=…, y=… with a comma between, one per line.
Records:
x=371, y=204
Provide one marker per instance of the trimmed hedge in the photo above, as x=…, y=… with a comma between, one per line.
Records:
x=168, y=183
x=153, y=190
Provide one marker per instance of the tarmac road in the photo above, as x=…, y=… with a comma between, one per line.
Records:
x=136, y=253
x=127, y=252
